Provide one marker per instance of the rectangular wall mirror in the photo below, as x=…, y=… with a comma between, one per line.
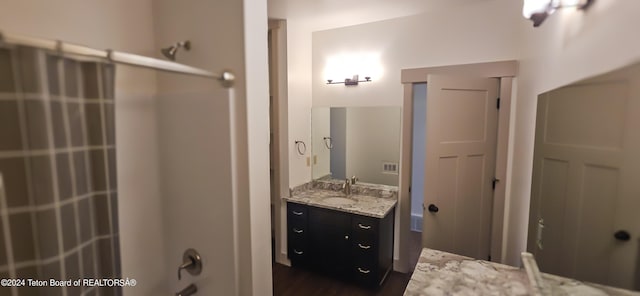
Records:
x=584, y=220
x=356, y=141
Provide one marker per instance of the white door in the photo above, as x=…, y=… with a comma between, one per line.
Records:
x=461, y=134
x=586, y=180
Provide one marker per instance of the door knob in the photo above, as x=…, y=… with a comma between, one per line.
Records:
x=433, y=208
x=622, y=235
x=192, y=263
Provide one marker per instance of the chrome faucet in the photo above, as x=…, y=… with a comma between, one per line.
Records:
x=346, y=187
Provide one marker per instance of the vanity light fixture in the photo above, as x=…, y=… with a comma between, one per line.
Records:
x=538, y=10
x=350, y=81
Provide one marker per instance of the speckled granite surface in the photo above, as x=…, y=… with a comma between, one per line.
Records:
x=442, y=273
x=370, y=201
x=368, y=189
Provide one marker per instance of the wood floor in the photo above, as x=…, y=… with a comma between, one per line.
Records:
x=289, y=281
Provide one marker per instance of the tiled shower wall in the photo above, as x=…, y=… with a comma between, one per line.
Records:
x=58, y=213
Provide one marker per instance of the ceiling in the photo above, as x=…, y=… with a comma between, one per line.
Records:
x=328, y=14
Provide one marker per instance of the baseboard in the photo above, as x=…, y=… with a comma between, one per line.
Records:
x=400, y=267
x=282, y=259
x=416, y=223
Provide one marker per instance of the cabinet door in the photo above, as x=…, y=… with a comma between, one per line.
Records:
x=329, y=241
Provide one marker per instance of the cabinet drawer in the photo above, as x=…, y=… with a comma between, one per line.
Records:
x=364, y=251
x=297, y=249
x=365, y=274
x=297, y=231
x=365, y=229
x=297, y=213
x=298, y=255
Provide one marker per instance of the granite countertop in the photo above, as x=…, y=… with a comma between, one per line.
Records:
x=366, y=205
x=442, y=273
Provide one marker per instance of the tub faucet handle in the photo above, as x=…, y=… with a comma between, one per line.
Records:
x=192, y=263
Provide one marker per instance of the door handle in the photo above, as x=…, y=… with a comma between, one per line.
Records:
x=433, y=208
x=192, y=263
x=296, y=230
x=622, y=235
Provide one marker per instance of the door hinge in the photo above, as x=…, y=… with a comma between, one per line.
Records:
x=493, y=183
x=409, y=189
x=498, y=103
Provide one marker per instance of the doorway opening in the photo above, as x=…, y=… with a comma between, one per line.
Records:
x=467, y=100
x=419, y=125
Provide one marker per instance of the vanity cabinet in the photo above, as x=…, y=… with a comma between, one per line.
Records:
x=349, y=246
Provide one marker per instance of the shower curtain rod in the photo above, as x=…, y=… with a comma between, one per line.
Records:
x=226, y=77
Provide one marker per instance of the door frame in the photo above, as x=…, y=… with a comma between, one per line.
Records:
x=279, y=121
x=506, y=71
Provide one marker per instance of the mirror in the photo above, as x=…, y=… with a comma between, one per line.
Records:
x=356, y=141
x=584, y=220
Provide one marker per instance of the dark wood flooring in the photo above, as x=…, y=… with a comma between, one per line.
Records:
x=290, y=281
x=415, y=247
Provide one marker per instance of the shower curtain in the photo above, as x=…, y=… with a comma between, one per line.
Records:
x=58, y=191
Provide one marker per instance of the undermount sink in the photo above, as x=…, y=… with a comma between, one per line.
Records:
x=339, y=201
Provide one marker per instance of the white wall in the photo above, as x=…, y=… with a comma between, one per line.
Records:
x=299, y=95
x=321, y=128
x=92, y=24
x=474, y=33
x=232, y=174
x=568, y=47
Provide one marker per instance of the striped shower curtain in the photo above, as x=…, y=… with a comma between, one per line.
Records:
x=58, y=190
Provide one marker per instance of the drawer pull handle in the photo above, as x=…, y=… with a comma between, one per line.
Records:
x=365, y=271
x=297, y=213
x=298, y=252
x=364, y=247
x=364, y=226
x=298, y=230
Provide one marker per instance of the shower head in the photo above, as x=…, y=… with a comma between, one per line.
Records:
x=170, y=52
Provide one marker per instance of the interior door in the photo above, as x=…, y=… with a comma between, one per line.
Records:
x=586, y=180
x=461, y=135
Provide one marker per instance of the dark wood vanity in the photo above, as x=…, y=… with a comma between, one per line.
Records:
x=349, y=246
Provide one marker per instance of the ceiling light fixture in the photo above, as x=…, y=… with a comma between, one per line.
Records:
x=538, y=10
